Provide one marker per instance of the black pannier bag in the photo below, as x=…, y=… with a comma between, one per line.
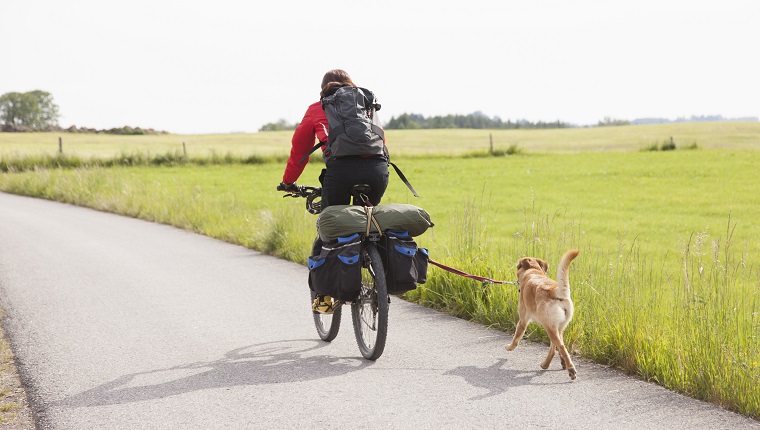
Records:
x=336, y=271
x=405, y=263
x=421, y=262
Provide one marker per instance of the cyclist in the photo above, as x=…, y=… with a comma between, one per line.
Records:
x=340, y=173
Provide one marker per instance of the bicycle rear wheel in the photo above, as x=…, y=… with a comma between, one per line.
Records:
x=370, y=311
x=327, y=324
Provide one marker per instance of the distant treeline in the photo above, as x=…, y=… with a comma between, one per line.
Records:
x=280, y=125
x=693, y=118
x=126, y=130
x=478, y=120
x=475, y=120
x=416, y=121
x=36, y=111
x=608, y=122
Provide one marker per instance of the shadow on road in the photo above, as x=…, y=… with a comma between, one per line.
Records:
x=495, y=379
x=266, y=363
x=272, y=363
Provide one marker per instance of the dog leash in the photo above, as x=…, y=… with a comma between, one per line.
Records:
x=482, y=279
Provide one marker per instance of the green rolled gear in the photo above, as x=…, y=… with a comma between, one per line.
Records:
x=343, y=220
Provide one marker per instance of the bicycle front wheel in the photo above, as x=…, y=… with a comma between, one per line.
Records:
x=370, y=311
x=327, y=324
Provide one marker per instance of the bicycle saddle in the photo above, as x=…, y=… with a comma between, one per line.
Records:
x=361, y=189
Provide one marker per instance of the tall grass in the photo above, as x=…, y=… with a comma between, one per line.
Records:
x=693, y=327
x=22, y=163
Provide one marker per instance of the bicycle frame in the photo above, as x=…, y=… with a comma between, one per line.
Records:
x=369, y=311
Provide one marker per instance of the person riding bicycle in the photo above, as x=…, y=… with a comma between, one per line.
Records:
x=340, y=172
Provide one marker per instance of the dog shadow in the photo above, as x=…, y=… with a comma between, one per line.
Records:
x=497, y=380
x=266, y=363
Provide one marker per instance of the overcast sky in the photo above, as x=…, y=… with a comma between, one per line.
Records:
x=231, y=66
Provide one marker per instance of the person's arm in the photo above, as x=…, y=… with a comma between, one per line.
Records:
x=313, y=126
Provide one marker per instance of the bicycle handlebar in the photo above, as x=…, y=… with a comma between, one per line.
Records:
x=313, y=206
x=313, y=196
x=303, y=191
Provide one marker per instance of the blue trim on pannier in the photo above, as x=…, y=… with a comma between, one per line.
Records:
x=425, y=251
x=406, y=250
x=349, y=260
x=398, y=233
x=348, y=238
x=313, y=264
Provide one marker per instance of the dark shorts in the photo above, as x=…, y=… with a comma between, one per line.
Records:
x=343, y=173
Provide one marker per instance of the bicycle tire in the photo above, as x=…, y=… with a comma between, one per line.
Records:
x=327, y=325
x=370, y=311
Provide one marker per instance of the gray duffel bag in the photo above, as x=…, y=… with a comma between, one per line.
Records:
x=343, y=220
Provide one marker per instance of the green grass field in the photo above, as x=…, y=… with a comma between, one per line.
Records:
x=714, y=135
x=666, y=285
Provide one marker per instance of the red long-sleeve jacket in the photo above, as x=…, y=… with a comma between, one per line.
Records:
x=312, y=128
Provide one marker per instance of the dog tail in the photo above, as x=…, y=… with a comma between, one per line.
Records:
x=563, y=281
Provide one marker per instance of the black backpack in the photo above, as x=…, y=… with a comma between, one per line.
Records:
x=351, y=131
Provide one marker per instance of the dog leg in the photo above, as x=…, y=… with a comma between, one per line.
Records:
x=568, y=363
x=519, y=332
x=562, y=339
x=556, y=339
x=549, y=357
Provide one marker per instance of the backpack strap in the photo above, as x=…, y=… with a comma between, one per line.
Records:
x=334, y=132
x=378, y=130
x=403, y=178
x=311, y=151
x=395, y=167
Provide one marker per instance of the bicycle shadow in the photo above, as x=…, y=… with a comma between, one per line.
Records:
x=265, y=363
x=495, y=379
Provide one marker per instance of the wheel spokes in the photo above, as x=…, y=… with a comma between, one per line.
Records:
x=368, y=312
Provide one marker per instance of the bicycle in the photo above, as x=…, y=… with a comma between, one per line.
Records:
x=369, y=312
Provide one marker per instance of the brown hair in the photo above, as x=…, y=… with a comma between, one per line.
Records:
x=335, y=78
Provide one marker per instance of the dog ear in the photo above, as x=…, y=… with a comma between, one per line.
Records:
x=544, y=265
x=524, y=263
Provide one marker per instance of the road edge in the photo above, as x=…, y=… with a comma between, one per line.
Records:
x=15, y=412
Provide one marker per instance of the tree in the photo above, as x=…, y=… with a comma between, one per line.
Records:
x=34, y=109
x=611, y=122
x=280, y=125
x=476, y=120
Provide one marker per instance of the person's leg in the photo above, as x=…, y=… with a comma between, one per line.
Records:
x=334, y=188
x=342, y=174
x=377, y=177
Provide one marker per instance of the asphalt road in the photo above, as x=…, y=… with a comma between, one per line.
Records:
x=119, y=323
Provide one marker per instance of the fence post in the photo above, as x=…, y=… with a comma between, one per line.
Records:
x=60, y=145
x=490, y=148
x=184, y=149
